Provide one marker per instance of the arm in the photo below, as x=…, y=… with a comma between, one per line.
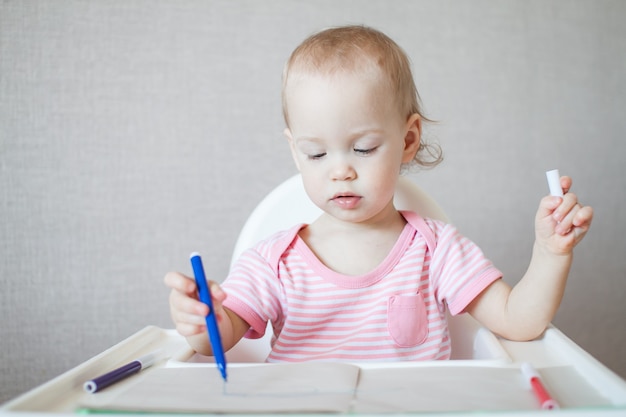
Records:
x=188, y=313
x=524, y=311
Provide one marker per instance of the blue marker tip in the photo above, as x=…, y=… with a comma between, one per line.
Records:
x=211, y=320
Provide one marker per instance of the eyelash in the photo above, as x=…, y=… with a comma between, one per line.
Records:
x=316, y=156
x=362, y=152
x=365, y=151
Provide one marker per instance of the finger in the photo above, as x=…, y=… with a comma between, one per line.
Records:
x=578, y=220
x=579, y=233
x=191, y=319
x=569, y=202
x=584, y=217
x=565, y=224
x=186, y=329
x=180, y=282
x=216, y=291
x=184, y=303
x=566, y=183
x=582, y=222
x=547, y=205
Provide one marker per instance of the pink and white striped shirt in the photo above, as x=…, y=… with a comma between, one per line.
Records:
x=395, y=312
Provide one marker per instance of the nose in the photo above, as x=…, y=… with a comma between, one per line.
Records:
x=342, y=170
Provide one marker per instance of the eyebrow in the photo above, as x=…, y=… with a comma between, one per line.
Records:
x=357, y=133
x=307, y=139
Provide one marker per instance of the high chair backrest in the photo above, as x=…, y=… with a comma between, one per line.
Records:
x=288, y=204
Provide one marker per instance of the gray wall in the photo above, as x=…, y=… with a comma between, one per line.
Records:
x=133, y=133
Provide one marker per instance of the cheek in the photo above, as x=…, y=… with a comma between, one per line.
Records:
x=310, y=176
x=387, y=167
x=313, y=188
x=384, y=178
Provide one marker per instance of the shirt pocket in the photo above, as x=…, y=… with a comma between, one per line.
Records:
x=407, y=319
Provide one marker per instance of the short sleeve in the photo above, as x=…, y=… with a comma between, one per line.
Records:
x=253, y=292
x=459, y=268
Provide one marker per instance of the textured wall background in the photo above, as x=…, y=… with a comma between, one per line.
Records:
x=133, y=133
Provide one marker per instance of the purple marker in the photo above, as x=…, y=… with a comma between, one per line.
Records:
x=122, y=372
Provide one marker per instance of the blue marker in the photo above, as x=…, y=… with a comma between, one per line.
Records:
x=211, y=321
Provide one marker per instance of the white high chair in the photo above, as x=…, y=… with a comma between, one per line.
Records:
x=288, y=204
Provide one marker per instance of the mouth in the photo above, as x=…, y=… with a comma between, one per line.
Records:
x=346, y=200
x=345, y=195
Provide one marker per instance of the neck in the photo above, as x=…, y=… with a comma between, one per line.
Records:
x=388, y=219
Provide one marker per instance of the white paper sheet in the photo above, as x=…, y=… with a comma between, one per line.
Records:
x=342, y=388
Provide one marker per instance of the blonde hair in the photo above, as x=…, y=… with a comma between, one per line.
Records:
x=360, y=48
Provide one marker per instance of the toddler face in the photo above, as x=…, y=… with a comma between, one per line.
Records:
x=349, y=141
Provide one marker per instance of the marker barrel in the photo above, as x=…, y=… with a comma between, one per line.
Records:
x=112, y=377
x=122, y=372
x=211, y=320
x=546, y=402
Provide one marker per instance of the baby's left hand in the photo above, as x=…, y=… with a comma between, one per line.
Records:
x=562, y=222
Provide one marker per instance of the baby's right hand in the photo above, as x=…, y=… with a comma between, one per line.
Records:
x=187, y=312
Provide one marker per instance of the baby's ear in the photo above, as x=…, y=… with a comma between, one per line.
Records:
x=292, y=146
x=412, y=137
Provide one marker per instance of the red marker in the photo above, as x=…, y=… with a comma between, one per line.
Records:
x=543, y=396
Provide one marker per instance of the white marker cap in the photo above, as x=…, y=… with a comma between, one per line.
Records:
x=151, y=358
x=529, y=371
x=554, y=182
